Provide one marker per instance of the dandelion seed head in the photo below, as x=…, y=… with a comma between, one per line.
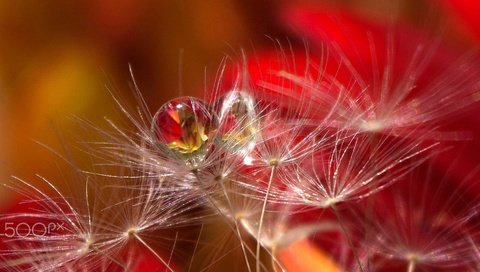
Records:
x=412, y=257
x=131, y=231
x=423, y=229
x=81, y=237
x=273, y=162
x=354, y=167
x=329, y=201
x=373, y=125
x=88, y=245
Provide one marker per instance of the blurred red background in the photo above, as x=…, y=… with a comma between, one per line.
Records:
x=57, y=59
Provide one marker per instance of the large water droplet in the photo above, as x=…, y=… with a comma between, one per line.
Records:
x=184, y=125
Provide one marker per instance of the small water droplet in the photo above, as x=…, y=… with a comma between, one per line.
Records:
x=238, y=120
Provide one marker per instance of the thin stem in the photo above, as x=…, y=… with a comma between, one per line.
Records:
x=260, y=223
x=173, y=248
x=276, y=266
x=153, y=252
x=270, y=252
x=115, y=261
x=195, y=249
x=411, y=265
x=347, y=235
x=236, y=226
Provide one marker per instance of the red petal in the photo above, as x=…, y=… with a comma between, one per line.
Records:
x=466, y=14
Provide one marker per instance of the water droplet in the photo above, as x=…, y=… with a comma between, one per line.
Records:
x=184, y=125
x=238, y=120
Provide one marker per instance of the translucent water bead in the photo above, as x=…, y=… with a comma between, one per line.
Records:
x=238, y=119
x=184, y=125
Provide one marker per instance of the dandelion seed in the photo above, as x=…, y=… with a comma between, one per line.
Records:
x=390, y=79
x=73, y=236
x=421, y=225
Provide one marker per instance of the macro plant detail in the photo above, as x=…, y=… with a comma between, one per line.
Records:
x=326, y=152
